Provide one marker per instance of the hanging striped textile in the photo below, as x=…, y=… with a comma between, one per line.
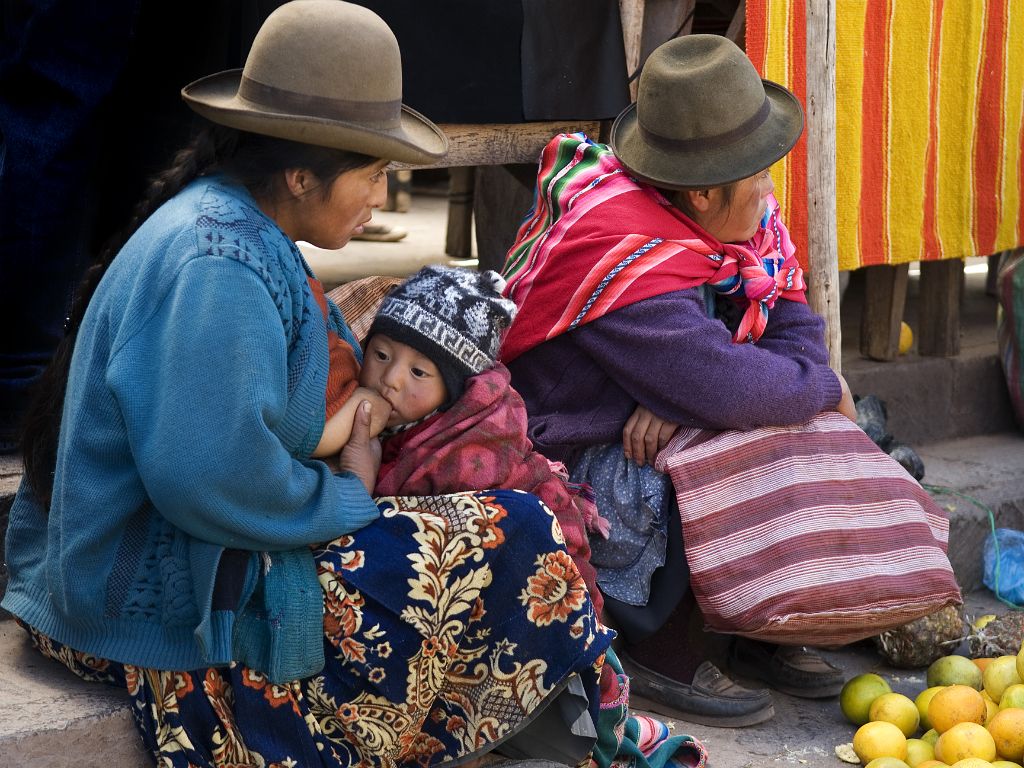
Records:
x=929, y=124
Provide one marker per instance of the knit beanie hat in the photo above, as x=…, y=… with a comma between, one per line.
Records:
x=454, y=316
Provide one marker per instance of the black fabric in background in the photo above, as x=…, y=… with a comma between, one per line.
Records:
x=479, y=61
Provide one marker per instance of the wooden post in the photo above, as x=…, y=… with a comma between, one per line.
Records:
x=632, y=14
x=822, y=255
x=939, y=308
x=458, y=237
x=885, y=296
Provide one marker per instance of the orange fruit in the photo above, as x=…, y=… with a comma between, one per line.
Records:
x=1007, y=729
x=923, y=700
x=932, y=764
x=972, y=762
x=983, y=662
x=1013, y=696
x=879, y=739
x=897, y=709
x=858, y=693
x=954, y=670
x=956, y=704
x=886, y=762
x=999, y=675
x=965, y=740
x=919, y=751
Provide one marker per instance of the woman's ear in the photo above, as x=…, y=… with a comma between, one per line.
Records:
x=699, y=199
x=297, y=181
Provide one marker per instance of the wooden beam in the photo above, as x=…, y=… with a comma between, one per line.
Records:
x=501, y=144
x=885, y=295
x=823, y=253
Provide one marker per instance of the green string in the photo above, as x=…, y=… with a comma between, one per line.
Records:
x=992, y=526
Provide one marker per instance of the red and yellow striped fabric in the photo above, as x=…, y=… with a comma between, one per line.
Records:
x=929, y=124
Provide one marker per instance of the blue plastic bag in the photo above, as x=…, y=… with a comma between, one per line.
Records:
x=1004, y=565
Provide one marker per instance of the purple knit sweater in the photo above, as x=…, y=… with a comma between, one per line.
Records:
x=668, y=355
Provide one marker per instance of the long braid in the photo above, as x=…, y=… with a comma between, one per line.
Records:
x=40, y=429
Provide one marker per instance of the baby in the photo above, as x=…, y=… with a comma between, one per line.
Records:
x=454, y=423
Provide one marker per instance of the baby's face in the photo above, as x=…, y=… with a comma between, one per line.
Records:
x=404, y=377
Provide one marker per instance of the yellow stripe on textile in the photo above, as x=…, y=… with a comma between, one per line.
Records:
x=908, y=123
x=958, y=91
x=777, y=68
x=849, y=125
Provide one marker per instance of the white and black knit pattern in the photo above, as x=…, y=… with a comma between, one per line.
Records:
x=454, y=316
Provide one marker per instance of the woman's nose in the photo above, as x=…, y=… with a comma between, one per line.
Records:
x=380, y=193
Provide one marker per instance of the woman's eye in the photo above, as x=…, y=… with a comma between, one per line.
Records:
x=419, y=373
x=380, y=355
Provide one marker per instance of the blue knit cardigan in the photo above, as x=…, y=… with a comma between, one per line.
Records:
x=195, y=397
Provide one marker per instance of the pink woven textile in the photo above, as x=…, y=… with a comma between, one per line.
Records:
x=480, y=443
x=806, y=535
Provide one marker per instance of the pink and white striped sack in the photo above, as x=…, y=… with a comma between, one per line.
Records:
x=806, y=535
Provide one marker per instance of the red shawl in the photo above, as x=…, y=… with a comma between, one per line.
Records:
x=480, y=443
x=596, y=241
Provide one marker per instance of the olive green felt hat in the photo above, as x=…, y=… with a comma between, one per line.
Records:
x=322, y=72
x=704, y=117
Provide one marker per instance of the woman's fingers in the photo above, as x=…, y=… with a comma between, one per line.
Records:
x=846, y=405
x=644, y=435
x=361, y=454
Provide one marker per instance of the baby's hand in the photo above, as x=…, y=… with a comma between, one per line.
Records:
x=380, y=409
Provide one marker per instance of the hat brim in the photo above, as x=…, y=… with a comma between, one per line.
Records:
x=686, y=169
x=416, y=140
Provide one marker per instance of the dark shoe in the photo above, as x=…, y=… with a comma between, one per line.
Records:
x=711, y=699
x=795, y=670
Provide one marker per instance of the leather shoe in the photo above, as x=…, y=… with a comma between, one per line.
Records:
x=795, y=670
x=711, y=699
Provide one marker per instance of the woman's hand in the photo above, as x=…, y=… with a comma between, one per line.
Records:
x=645, y=435
x=361, y=454
x=846, y=405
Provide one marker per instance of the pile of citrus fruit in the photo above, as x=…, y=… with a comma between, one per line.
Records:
x=971, y=715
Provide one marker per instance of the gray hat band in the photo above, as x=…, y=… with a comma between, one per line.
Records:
x=410, y=315
x=378, y=114
x=717, y=141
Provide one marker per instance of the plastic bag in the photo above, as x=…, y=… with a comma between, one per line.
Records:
x=1004, y=565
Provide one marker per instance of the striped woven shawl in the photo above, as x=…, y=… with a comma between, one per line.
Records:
x=596, y=240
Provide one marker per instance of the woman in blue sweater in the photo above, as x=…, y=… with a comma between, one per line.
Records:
x=172, y=534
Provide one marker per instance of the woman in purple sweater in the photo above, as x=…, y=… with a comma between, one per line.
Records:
x=658, y=287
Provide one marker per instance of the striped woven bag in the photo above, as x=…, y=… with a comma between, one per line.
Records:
x=806, y=535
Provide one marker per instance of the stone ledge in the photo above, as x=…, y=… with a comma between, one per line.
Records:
x=49, y=718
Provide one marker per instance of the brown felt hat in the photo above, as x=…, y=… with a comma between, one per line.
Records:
x=703, y=117
x=322, y=72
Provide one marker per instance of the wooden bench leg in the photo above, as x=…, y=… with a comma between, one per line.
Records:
x=459, y=236
x=939, y=308
x=885, y=294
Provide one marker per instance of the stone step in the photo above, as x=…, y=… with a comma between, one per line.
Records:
x=49, y=718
